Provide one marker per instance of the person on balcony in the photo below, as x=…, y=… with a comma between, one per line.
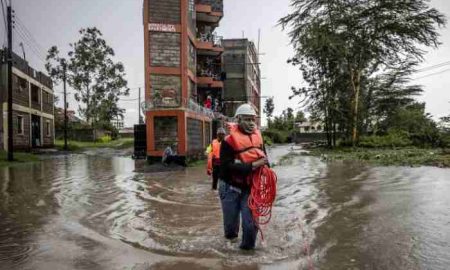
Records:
x=208, y=103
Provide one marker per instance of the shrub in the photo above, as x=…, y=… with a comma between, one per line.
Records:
x=276, y=136
x=267, y=140
x=105, y=139
x=392, y=139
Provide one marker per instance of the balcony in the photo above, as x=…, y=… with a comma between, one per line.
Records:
x=188, y=104
x=209, y=44
x=209, y=72
x=209, y=10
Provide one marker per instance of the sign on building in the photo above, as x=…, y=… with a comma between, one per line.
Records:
x=161, y=27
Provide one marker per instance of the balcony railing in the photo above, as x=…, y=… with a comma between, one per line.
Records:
x=210, y=37
x=189, y=104
x=216, y=5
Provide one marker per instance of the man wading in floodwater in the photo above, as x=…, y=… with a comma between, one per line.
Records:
x=214, y=157
x=241, y=153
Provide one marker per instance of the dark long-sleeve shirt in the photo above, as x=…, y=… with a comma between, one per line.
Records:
x=229, y=167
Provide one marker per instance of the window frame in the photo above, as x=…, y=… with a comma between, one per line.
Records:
x=22, y=132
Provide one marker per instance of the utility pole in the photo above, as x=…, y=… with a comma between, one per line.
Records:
x=64, y=66
x=139, y=111
x=10, y=100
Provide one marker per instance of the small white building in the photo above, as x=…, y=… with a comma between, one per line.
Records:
x=310, y=127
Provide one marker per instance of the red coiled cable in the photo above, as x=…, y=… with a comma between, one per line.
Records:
x=262, y=196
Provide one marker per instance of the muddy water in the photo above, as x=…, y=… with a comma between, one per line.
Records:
x=101, y=212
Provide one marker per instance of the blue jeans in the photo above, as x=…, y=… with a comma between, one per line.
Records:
x=234, y=202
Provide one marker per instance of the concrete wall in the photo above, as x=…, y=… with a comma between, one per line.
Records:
x=164, y=49
x=166, y=90
x=194, y=136
x=21, y=95
x=164, y=11
x=21, y=141
x=166, y=131
x=47, y=137
x=47, y=102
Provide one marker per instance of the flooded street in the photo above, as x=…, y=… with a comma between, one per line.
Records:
x=85, y=211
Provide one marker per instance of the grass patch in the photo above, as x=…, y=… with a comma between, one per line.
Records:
x=409, y=156
x=78, y=146
x=19, y=158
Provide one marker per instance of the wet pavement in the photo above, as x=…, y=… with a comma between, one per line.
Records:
x=90, y=211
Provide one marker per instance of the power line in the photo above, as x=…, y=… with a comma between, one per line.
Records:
x=22, y=25
x=433, y=66
x=32, y=49
x=432, y=74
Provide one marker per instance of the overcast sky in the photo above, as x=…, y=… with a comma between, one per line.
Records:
x=56, y=22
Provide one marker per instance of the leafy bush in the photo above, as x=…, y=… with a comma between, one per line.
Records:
x=276, y=136
x=392, y=139
x=267, y=140
x=105, y=139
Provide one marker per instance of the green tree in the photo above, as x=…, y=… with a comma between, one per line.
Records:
x=97, y=79
x=344, y=42
x=416, y=123
x=269, y=107
x=300, y=117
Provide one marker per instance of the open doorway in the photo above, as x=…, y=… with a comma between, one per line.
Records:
x=35, y=131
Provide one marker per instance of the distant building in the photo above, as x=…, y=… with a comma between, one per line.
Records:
x=310, y=127
x=243, y=82
x=118, y=123
x=33, y=109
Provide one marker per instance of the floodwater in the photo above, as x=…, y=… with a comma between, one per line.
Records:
x=89, y=211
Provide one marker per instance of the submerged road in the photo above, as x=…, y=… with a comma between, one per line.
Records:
x=99, y=211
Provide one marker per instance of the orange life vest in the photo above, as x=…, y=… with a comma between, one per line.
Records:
x=247, y=147
x=214, y=155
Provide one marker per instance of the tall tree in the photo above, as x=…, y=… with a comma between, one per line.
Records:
x=355, y=39
x=97, y=79
x=269, y=107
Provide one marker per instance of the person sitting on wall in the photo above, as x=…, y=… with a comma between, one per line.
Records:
x=170, y=156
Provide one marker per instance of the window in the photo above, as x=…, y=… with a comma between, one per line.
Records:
x=20, y=124
x=35, y=94
x=23, y=84
x=47, y=128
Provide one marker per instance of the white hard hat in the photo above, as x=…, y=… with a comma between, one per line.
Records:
x=245, y=109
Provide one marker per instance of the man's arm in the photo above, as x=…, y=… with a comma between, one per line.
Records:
x=227, y=161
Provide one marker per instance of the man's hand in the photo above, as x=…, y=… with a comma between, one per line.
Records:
x=209, y=172
x=260, y=162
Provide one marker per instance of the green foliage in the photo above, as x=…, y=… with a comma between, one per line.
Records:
x=269, y=107
x=387, y=157
x=354, y=75
x=79, y=146
x=92, y=73
x=19, y=158
x=105, y=139
x=393, y=139
x=276, y=136
x=267, y=140
x=417, y=124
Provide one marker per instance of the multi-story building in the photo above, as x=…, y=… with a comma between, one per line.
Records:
x=183, y=75
x=243, y=83
x=33, y=109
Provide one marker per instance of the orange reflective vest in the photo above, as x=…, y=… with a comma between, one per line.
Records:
x=214, y=155
x=247, y=147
